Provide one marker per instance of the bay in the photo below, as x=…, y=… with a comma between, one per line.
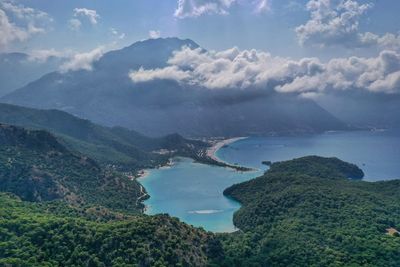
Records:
x=193, y=192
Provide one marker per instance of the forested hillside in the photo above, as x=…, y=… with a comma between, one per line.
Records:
x=35, y=234
x=307, y=212
x=126, y=149
x=36, y=167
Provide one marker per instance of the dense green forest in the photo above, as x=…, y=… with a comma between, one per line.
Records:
x=63, y=209
x=33, y=234
x=307, y=212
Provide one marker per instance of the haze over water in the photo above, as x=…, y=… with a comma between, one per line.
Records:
x=193, y=192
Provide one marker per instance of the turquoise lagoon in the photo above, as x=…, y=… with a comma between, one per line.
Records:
x=193, y=192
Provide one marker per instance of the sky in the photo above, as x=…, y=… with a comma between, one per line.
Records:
x=304, y=45
x=268, y=25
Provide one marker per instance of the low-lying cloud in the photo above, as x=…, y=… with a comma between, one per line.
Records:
x=83, y=61
x=242, y=69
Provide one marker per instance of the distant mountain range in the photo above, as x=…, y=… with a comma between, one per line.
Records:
x=18, y=69
x=107, y=96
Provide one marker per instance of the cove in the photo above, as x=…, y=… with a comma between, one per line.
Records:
x=193, y=192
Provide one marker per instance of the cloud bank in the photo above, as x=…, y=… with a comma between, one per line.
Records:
x=242, y=69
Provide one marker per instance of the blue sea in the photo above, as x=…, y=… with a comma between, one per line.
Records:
x=193, y=192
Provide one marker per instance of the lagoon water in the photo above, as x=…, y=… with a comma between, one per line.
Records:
x=193, y=192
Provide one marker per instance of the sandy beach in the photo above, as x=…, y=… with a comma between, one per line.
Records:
x=211, y=152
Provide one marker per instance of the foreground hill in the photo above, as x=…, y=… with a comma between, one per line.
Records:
x=54, y=235
x=36, y=167
x=306, y=212
x=107, y=95
x=117, y=146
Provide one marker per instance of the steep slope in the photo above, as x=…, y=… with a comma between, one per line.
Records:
x=306, y=212
x=106, y=95
x=118, y=146
x=36, y=167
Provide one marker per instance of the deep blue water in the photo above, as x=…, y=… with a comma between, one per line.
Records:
x=193, y=192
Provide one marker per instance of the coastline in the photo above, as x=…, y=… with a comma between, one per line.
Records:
x=211, y=152
x=142, y=174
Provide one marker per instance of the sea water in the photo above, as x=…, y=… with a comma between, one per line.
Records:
x=194, y=192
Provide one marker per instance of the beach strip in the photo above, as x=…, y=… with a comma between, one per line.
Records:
x=211, y=152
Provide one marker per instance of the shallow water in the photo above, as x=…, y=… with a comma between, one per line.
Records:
x=193, y=192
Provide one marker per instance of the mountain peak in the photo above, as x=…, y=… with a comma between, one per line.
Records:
x=168, y=41
x=150, y=53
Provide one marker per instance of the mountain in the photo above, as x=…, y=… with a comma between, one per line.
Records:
x=107, y=96
x=307, y=212
x=117, y=146
x=364, y=109
x=18, y=69
x=36, y=167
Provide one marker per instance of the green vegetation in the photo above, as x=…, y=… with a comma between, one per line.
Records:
x=122, y=148
x=36, y=167
x=66, y=210
x=306, y=212
x=32, y=235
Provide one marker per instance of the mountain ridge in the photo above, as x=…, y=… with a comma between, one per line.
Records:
x=107, y=96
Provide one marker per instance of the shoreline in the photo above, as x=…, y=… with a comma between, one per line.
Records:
x=211, y=152
x=142, y=174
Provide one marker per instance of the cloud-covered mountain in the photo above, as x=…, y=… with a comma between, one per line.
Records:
x=107, y=95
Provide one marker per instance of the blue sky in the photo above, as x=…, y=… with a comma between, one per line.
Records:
x=271, y=30
x=305, y=46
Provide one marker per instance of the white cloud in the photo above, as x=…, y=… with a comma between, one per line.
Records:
x=117, y=34
x=90, y=14
x=42, y=55
x=336, y=23
x=9, y=32
x=387, y=41
x=83, y=61
x=244, y=69
x=197, y=8
x=262, y=6
x=28, y=22
x=74, y=24
x=154, y=34
x=331, y=22
x=23, y=12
